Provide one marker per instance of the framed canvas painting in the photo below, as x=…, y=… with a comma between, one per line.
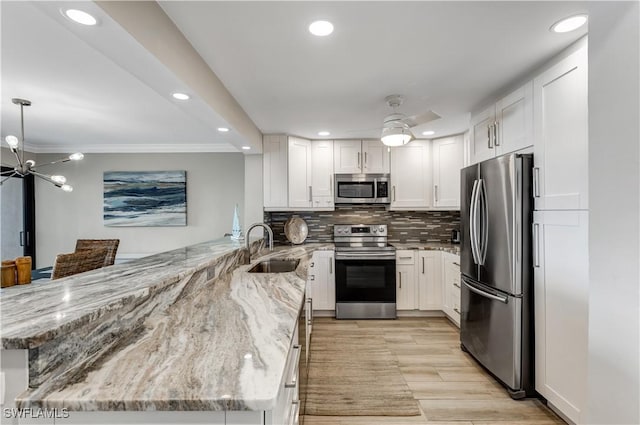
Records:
x=145, y=198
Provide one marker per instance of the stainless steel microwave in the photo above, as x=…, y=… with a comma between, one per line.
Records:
x=362, y=189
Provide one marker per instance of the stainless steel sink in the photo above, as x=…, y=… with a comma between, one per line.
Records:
x=275, y=266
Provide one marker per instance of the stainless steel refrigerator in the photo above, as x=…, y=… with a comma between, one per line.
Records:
x=496, y=325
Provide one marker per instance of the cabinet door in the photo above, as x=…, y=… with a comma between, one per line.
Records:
x=274, y=168
x=323, y=281
x=430, y=283
x=451, y=283
x=299, y=173
x=561, y=297
x=411, y=175
x=347, y=156
x=447, y=162
x=406, y=280
x=514, y=120
x=322, y=173
x=375, y=157
x=561, y=135
x=482, y=143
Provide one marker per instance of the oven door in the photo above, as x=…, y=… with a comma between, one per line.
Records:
x=361, y=279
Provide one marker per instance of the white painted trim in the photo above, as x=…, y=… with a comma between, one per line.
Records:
x=420, y=313
x=133, y=148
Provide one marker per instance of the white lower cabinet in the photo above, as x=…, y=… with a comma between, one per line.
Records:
x=451, y=283
x=321, y=281
x=429, y=280
x=406, y=286
x=561, y=294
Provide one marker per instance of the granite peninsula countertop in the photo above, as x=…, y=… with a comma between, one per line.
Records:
x=429, y=246
x=220, y=343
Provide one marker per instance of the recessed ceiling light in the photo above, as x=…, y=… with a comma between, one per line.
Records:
x=428, y=133
x=246, y=148
x=569, y=24
x=223, y=129
x=323, y=133
x=181, y=96
x=80, y=17
x=321, y=28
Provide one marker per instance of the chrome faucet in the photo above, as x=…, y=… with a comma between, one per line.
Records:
x=246, y=237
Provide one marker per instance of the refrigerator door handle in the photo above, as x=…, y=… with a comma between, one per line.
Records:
x=484, y=223
x=485, y=294
x=472, y=222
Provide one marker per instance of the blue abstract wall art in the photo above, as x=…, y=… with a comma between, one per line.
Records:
x=145, y=198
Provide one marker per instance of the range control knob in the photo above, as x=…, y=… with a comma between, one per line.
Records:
x=381, y=229
x=374, y=230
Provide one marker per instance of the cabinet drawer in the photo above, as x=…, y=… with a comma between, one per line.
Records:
x=405, y=257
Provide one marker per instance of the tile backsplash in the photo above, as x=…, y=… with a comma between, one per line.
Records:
x=404, y=226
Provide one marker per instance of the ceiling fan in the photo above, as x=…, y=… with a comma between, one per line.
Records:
x=396, y=128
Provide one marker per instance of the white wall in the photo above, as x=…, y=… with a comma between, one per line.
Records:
x=614, y=228
x=215, y=183
x=253, y=198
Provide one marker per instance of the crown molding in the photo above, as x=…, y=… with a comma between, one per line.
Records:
x=134, y=148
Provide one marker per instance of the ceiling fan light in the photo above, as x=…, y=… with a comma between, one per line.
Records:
x=67, y=188
x=76, y=156
x=396, y=136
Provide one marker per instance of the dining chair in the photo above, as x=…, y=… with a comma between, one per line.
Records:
x=79, y=262
x=110, y=244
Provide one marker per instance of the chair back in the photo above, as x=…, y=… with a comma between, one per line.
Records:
x=110, y=244
x=79, y=262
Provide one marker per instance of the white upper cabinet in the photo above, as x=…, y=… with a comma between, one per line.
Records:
x=411, y=175
x=300, y=185
x=503, y=127
x=447, y=162
x=360, y=156
x=375, y=157
x=274, y=168
x=322, y=173
x=561, y=135
x=514, y=121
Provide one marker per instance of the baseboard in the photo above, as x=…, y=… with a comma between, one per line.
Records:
x=420, y=313
x=324, y=313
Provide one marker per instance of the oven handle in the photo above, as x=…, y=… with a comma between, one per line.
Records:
x=365, y=256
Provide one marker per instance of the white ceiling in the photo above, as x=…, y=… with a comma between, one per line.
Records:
x=97, y=89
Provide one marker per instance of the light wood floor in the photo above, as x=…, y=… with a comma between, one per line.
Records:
x=450, y=387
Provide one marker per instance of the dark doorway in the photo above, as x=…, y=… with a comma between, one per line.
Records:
x=18, y=204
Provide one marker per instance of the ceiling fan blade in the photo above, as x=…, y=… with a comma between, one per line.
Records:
x=424, y=118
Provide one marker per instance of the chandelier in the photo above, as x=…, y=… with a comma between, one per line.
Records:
x=24, y=168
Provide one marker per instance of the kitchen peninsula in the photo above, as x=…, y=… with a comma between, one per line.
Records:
x=184, y=336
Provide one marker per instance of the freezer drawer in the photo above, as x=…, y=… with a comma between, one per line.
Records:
x=490, y=330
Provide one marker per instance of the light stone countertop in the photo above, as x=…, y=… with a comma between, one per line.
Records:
x=429, y=246
x=207, y=343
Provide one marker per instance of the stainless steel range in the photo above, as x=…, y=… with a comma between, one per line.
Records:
x=365, y=272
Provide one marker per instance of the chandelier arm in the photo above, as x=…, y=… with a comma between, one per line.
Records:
x=11, y=171
x=58, y=161
x=7, y=178
x=20, y=163
x=45, y=177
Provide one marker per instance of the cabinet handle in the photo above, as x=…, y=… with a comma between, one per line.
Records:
x=456, y=285
x=456, y=264
x=310, y=193
x=435, y=189
x=495, y=133
x=536, y=182
x=359, y=166
x=405, y=258
x=312, y=277
x=294, y=380
x=21, y=238
x=400, y=279
x=536, y=245
x=457, y=311
x=312, y=264
x=393, y=192
x=489, y=136
x=365, y=160
x=422, y=265
x=331, y=185
x=330, y=265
